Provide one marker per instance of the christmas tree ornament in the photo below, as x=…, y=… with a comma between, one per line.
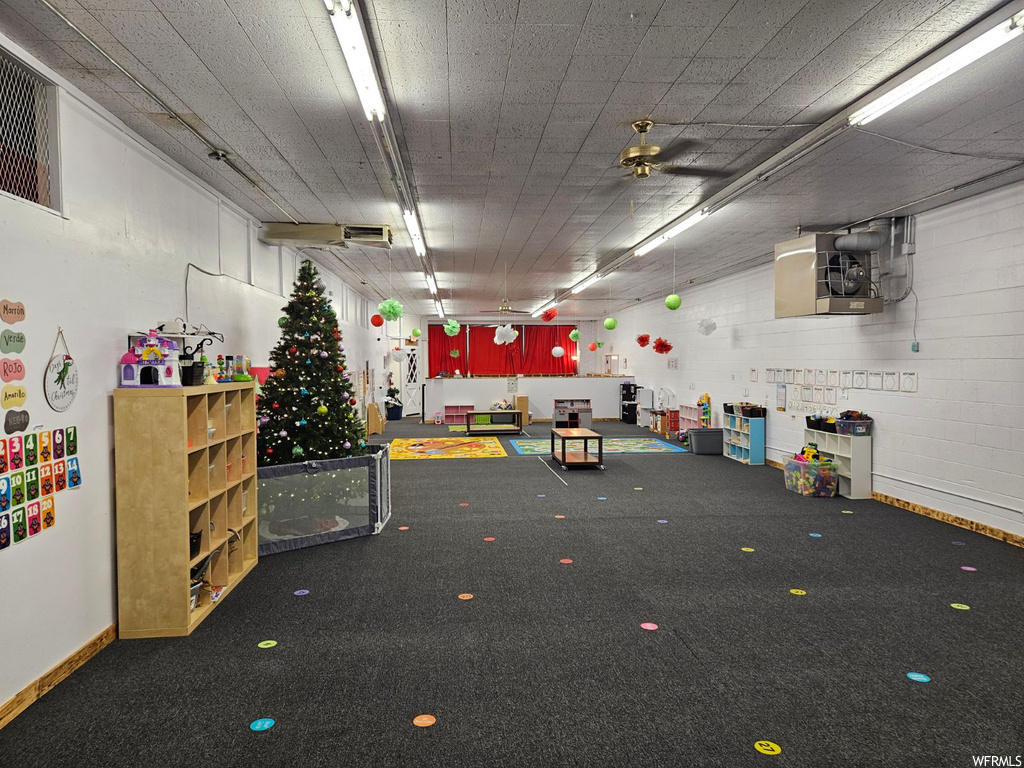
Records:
x=306, y=335
x=346, y=445
x=673, y=301
x=610, y=323
x=452, y=327
x=341, y=368
x=376, y=321
x=643, y=339
x=341, y=347
x=270, y=450
x=390, y=309
x=416, y=333
x=309, y=362
x=549, y=314
x=557, y=351
x=283, y=433
x=324, y=354
x=337, y=334
x=322, y=410
x=275, y=406
x=303, y=391
x=297, y=450
x=282, y=321
x=574, y=334
x=302, y=422
x=264, y=420
x=352, y=401
x=311, y=293
x=592, y=346
x=292, y=350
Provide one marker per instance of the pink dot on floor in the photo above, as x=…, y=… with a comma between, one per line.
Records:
x=968, y=568
x=648, y=625
x=565, y=561
x=489, y=538
x=463, y=503
x=403, y=527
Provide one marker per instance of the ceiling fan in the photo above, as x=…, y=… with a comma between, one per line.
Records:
x=504, y=308
x=642, y=158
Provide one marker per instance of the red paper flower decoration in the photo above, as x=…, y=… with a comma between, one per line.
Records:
x=643, y=339
x=661, y=346
x=549, y=315
x=376, y=321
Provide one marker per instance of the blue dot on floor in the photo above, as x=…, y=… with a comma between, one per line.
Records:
x=919, y=677
x=663, y=521
x=814, y=535
x=541, y=496
x=263, y=724
x=602, y=498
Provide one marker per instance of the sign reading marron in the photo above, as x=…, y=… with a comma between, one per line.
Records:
x=12, y=312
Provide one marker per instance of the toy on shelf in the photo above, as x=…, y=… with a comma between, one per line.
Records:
x=152, y=361
x=809, y=453
x=705, y=411
x=501, y=405
x=243, y=369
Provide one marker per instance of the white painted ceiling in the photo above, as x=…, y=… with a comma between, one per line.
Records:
x=511, y=113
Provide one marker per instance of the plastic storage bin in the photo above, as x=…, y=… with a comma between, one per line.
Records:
x=812, y=478
x=851, y=427
x=706, y=441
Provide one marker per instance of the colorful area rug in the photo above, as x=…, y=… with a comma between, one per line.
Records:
x=447, y=448
x=542, y=447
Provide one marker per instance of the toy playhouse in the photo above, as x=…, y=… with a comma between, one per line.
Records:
x=152, y=361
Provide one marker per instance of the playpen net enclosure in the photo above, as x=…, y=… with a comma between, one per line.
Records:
x=317, y=502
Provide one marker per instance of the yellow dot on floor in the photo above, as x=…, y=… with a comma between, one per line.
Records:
x=559, y=517
x=638, y=489
x=960, y=606
x=424, y=721
x=798, y=592
x=465, y=596
x=767, y=747
x=746, y=549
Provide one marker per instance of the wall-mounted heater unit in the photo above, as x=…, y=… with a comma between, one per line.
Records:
x=323, y=235
x=824, y=274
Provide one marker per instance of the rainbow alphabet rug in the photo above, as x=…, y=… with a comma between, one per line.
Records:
x=447, y=448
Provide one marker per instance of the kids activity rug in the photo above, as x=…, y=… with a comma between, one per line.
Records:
x=446, y=448
x=542, y=446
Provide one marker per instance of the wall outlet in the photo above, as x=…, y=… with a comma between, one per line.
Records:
x=732, y=377
x=746, y=392
x=692, y=385
x=915, y=347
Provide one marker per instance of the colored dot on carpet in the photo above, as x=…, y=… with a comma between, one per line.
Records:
x=746, y=549
x=663, y=521
x=602, y=498
x=650, y=626
x=767, y=747
x=798, y=592
x=919, y=677
x=814, y=535
x=463, y=503
x=638, y=489
x=263, y=724
x=968, y=568
x=565, y=561
x=559, y=517
x=465, y=596
x=424, y=721
x=541, y=496
x=489, y=538
x=959, y=543
x=301, y=592
x=267, y=643
x=960, y=606
x=403, y=527
x=847, y=511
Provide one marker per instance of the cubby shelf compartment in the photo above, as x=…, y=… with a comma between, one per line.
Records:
x=852, y=454
x=175, y=477
x=743, y=438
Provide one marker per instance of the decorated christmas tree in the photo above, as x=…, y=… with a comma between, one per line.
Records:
x=307, y=410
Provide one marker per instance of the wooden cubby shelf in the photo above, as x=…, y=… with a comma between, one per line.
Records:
x=185, y=463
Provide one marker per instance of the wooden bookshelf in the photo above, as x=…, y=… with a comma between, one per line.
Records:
x=185, y=463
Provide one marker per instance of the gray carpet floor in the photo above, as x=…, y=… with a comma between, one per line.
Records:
x=547, y=665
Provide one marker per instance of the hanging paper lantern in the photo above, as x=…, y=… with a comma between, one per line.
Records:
x=390, y=309
x=600, y=344
x=549, y=314
x=610, y=323
x=454, y=353
x=643, y=339
x=574, y=334
x=452, y=327
x=706, y=326
x=416, y=333
x=282, y=321
x=592, y=346
x=322, y=410
x=376, y=321
x=297, y=450
x=661, y=346
x=557, y=351
x=504, y=334
x=673, y=301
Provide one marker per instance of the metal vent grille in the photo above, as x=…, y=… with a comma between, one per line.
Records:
x=24, y=134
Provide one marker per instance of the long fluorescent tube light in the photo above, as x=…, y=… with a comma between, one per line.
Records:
x=544, y=309
x=646, y=248
x=686, y=223
x=586, y=283
x=349, y=29
x=413, y=225
x=439, y=308
x=940, y=70
x=431, y=283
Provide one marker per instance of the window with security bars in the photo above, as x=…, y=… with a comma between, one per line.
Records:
x=27, y=148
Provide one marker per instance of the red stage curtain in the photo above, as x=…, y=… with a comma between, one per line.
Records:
x=538, y=340
x=440, y=345
x=489, y=359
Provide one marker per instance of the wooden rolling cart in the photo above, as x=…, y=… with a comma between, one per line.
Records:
x=494, y=422
x=185, y=472
x=582, y=458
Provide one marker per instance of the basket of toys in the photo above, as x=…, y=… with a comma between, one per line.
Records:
x=808, y=474
x=854, y=423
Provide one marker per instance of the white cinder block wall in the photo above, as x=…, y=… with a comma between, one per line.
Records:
x=957, y=444
x=115, y=261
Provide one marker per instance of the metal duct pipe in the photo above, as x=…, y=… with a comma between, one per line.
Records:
x=860, y=242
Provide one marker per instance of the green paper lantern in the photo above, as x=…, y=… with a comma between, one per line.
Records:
x=282, y=321
x=452, y=328
x=574, y=334
x=454, y=353
x=673, y=301
x=390, y=309
x=416, y=333
x=610, y=323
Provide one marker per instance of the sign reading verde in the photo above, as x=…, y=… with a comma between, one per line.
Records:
x=12, y=341
x=61, y=382
x=12, y=312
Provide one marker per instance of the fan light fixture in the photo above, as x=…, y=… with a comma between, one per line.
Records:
x=940, y=70
x=352, y=38
x=586, y=283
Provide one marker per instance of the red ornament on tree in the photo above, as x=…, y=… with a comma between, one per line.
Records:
x=293, y=350
x=341, y=367
x=376, y=321
x=549, y=315
x=337, y=334
x=270, y=450
x=352, y=401
x=643, y=339
x=275, y=406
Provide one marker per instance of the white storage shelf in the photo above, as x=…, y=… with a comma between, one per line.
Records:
x=852, y=455
x=689, y=416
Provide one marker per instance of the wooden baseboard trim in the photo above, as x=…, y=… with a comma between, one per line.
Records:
x=960, y=522
x=38, y=688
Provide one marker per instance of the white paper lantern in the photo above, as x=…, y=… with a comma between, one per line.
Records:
x=557, y=351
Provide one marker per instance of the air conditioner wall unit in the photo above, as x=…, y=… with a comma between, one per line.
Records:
x=324, y=235
x=812, y=277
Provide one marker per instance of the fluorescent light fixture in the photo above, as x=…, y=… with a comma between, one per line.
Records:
x=544, y=309
x=648, y=247
x=686, y=223
x=439, y=308
x=940, y=70
x=413, y=225
x=431, y=283
x=349, y=29
x=586, y=283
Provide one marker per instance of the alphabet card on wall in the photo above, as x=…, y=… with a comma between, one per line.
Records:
x=32, y=483
x=17, y=488
x=72, y=440
x=45, y=446
x=58, y=443
x=5, y=494
x=19, y=525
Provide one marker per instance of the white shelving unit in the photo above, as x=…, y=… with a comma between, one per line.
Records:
x=689, y=416
x=852, y=454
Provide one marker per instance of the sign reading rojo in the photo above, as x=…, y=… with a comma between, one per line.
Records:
x=12, y=396
x=12, y=312
x=11, y=370
x=12, y=341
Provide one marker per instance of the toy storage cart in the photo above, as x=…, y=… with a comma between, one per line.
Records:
x=812, y=478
